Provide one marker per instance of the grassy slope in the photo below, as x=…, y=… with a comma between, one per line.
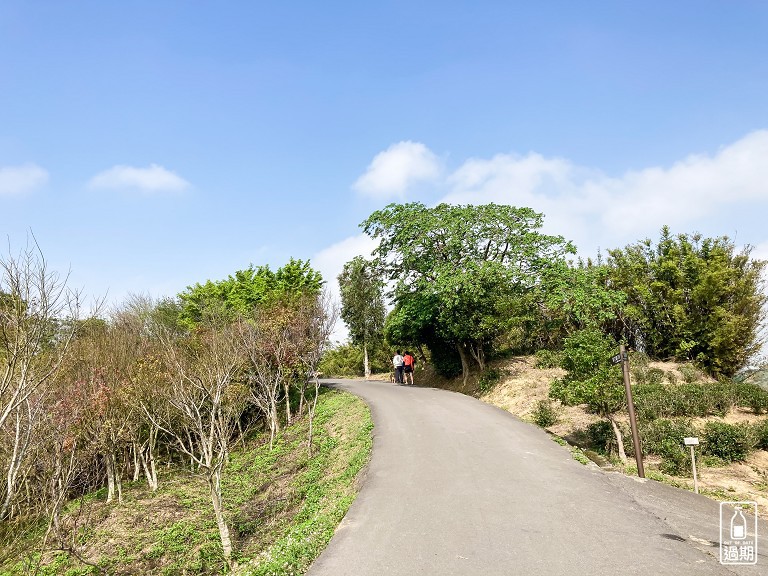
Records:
x=282, y=507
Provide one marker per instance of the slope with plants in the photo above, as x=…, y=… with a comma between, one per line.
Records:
x=283, y=505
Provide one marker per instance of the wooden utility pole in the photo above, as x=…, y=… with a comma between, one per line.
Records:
x=623, y=358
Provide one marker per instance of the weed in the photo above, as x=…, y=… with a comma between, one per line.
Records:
x=489, y=378
x=545, y=413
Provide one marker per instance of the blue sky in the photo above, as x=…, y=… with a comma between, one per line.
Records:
x=152, y=145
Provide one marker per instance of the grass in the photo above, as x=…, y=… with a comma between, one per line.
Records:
x=282, y=508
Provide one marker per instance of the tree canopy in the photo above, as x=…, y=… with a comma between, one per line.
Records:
x=461, y=273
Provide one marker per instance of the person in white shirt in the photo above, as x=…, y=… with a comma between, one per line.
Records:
x=398, y=363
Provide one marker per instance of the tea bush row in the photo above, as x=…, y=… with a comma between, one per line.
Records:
x=720, y=442
x=656, y=400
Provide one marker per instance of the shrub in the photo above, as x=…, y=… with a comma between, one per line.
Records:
x=675, y=459
x=601, y=437
x=727, y=441
x=651, y=401
x=760, y=434
x=548, y=359
x=689, y=400
x=489, y=378
x=689, y=373
x=753, y=396
x=545, y=414
x=654, y=434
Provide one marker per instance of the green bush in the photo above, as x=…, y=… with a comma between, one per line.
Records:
x=730, y=442
x=655, y=433
x=689, y=373
x=601, y=437
x=690, y=400
x=752, y=396
x=651, y=401
x=760, y=434
x=489, y=378
x=548, y=358
x=545, y=414
x=664, y=437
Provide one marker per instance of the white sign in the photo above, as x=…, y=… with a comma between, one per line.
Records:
x=738, y=533
x=691, y=441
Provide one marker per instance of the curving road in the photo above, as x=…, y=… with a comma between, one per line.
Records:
x=458, y=487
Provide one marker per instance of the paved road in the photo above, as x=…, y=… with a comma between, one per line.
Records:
x=458, y=487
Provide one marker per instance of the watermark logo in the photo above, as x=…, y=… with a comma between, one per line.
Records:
x=738, y=533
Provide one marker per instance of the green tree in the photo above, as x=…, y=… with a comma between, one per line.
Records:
x=247, y=289
x=591, y=378
x=362, y=305
x=573, y=297
x=693, y=298
x=465, y=271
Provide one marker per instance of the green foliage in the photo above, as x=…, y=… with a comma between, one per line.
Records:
x=464, y=274
x=690, y=373
x=601, y=437
x=691, y=298
x=729, y=442
x=664, y=437
x=591, y=379
x=346, y=360
x=752, y=395
x=362, y=301
x=545, y=414
x=248, y=289
x=760, y=434
x=575, y=297
x=489, y=378
x=548, y=358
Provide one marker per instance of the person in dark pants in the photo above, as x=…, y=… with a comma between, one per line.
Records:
x=408, y=364
x=398, y=363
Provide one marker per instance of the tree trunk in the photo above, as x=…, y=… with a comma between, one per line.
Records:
x=138, y=460
x=464, y=364
x=214, y=482
x=366, y=365
x=287, y=388
x=13, y=466
x=619, y=440
x=110, y=478
x=479, y=355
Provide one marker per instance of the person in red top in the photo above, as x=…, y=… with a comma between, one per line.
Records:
x=408, y=365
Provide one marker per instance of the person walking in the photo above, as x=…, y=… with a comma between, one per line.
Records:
x=398, y=362
x=409, y=363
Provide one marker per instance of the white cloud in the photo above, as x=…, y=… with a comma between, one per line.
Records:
x=152, y=179
x=21, y=179
x=594, y=209
x=394, y=171
x=330, y=262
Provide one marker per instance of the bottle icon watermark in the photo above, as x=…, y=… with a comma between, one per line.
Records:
x=738, y=532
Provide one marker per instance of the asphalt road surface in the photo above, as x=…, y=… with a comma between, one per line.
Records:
x=459, y=487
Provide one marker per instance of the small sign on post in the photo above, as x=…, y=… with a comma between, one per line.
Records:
x=692, y=441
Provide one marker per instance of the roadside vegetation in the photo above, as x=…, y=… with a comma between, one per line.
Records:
x=283, y=506
x=482, y=294
x=169, y=434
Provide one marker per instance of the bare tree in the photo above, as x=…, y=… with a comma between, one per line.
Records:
x=38, y=319
x=205, y=401
x=319, y=316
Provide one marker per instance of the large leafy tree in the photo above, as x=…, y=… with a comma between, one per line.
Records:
x=362, y=304
x=692, y=298
x=463, y=270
